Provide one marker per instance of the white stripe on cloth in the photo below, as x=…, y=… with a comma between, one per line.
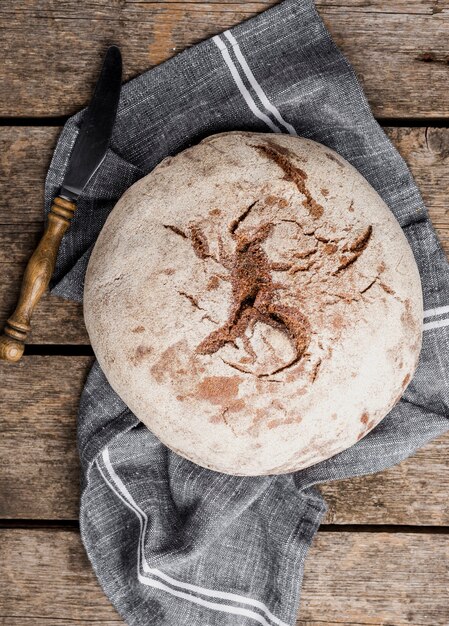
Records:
x=440, y=310
x=124, y=495
x=241, y=86
x=436, y=324
x=256, y=86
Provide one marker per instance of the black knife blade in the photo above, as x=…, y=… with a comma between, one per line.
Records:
x=96, y=127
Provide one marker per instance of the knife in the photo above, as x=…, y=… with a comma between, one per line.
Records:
x=87, y=155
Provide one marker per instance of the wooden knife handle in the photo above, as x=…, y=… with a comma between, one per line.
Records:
x=36, y=279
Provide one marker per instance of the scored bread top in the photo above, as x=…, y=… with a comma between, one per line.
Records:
x=255, y=303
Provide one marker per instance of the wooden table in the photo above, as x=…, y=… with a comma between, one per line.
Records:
x=382, y=555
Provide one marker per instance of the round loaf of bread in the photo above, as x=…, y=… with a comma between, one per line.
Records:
x=255, y=303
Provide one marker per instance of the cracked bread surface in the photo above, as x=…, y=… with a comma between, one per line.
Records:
x=255, y=303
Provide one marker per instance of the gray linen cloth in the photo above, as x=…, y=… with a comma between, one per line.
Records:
x=170, y=542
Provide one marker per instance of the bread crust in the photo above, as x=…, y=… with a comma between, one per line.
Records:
x=255, y=303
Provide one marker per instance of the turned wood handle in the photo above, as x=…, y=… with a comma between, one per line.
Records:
x=36, y=279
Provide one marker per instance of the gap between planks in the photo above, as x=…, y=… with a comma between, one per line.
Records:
x=392, y=122
x=49, y=349
x=73, y=525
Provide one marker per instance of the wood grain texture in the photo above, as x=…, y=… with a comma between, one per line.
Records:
x=25, y=153
x=350, y=579
x=412, y=492
x=370, y=578
x=397, y=48
x=39, y=459
x=38, y=456
x=56, y=321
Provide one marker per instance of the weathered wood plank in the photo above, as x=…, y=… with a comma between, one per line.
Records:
x=55, y=321
x=350, y=579
x=38, y=456
x=39, y=460
x=398, y=48
x=371, y=578
x=423, y=7
x=25, y=153
x=395, y=6
x=46, y=574
x=409, y=493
